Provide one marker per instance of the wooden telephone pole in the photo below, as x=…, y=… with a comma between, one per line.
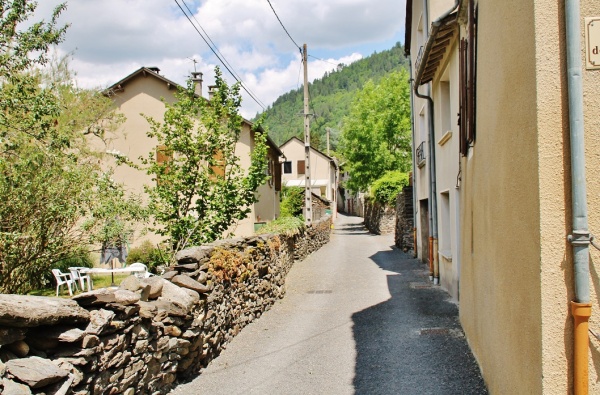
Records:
x=307, y=180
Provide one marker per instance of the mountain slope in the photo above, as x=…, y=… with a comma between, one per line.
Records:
x=330, y=98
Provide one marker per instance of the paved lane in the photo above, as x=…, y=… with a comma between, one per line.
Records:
x=349, y=323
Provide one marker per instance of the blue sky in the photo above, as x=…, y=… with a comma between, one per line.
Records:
x=109, y=39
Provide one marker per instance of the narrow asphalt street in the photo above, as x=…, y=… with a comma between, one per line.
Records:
x=359, y=317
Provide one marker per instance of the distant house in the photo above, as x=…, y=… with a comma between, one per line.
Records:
x=324, y=171
x=144, y=92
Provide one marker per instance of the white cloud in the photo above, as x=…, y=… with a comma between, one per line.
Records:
x=112, y=38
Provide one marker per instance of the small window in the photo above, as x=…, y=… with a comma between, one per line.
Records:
x=301, y=167
x=287, y=167
x=468, y=79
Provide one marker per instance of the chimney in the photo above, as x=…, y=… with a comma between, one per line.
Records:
x=211, y=91
x=197, y=78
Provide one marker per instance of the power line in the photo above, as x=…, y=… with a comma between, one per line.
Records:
x=281, y=23
x=323, y=60
x=214, y=51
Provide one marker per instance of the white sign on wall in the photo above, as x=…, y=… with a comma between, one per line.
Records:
x=592, y=43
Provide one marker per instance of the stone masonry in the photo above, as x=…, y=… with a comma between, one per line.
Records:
x=149, y=333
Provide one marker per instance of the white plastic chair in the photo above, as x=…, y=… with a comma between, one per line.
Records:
x=62, y=279
x=140, y=273
x=80, y=277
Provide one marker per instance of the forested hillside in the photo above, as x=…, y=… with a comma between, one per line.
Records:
x=330, y=98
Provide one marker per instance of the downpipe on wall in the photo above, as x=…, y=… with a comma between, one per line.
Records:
x=581, y=308
x=434, y=264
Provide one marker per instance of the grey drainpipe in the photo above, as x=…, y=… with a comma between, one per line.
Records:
x=581, y=308
x=581, y=236
x=414, y=160
x=433, y=226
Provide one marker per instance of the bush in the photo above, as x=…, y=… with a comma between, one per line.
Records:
x=149, y=255
x=292, y=201
x=386, y=189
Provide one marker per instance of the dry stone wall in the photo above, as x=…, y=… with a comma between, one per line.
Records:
x=379, y=219
x=149, y=333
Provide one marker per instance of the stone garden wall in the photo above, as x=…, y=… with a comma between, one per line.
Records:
x=143, y=337
x=379, y=219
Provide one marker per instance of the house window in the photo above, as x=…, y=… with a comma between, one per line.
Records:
x=445, y=106
x=287, y=167
x=468, y=78
x=301, y=167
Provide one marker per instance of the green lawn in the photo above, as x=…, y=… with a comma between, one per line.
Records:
x=98, y=281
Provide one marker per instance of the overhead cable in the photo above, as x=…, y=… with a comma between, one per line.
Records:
x=281, y=23
x=220, y=58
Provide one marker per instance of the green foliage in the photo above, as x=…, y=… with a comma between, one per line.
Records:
x=331, y=98
x=283, y=225
x=203, y=190
x=377, y=133
x=385, y=189
x=50, y=179
x=292, y=201
x=150, y=255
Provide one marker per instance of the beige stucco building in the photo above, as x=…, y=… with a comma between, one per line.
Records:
x=144, y=92
x=506, y=66
x=324, y=171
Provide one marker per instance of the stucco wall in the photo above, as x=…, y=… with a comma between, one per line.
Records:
x=500, y=285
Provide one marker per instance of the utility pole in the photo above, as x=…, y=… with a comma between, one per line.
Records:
x=307, y=180
x=328, y=131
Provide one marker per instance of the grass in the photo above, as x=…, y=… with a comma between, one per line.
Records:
x=98, y=281
x=283, y=225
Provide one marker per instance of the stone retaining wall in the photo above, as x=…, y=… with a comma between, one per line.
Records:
x=404, y=236
x=143, y=337
x=379, y=219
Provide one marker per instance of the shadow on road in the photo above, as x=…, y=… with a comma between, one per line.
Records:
x=412, y=343
x=351, y=229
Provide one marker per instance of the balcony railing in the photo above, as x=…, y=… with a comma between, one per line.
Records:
x=420, y=154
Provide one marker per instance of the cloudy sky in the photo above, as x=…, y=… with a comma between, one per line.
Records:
x=109, y=39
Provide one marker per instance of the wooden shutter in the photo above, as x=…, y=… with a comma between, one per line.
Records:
x=301, y=167
x=163, y=157
x=218, y=170
x=468, y=79
x=277, y=177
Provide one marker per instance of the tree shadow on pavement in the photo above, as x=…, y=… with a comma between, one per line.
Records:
x=413, y=342
x=351, y=229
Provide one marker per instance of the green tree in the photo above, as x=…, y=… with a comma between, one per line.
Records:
x=202, y=190
x=292, y=201
x=51, y=182
x=376, y=134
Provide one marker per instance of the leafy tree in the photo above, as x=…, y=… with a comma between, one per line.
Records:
x=386, y=189
x=51, y=182
x=202, y=190
x=331, y=97
x=292, y=201
x=376, y=134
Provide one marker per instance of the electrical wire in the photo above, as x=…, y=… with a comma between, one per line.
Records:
x=323, y=60
x=281, y=23
x=214, y=51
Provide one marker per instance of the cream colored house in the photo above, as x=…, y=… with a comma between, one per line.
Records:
x=141, y=93
x=528, y=189
x=436, y=144
x=324, y=171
